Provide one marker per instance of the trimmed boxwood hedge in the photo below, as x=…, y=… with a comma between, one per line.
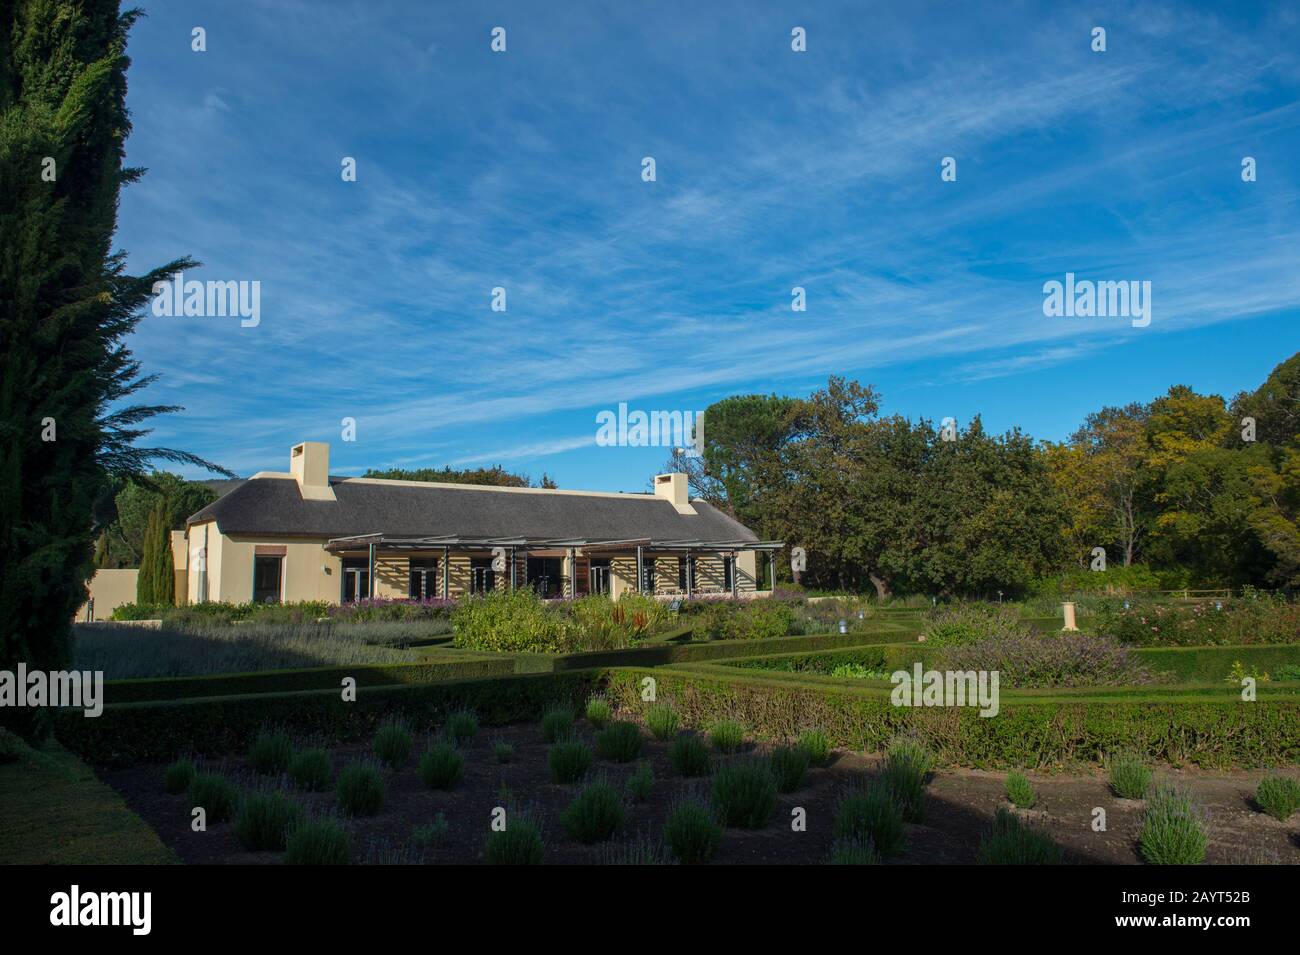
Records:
x=1054, y=623
x=663, y=655
x=159, y=731
x=1205, y=726
x=887, y=657
x=1187, y=664
x=460, y=665
x=1220, y=691
x=1213, y=664
x=293, y=680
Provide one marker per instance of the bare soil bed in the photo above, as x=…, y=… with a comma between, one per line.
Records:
x=959, y=808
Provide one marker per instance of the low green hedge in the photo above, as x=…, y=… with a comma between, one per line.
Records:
x=896, y=623
x=886, y=657
x=162, y=730
x=294, y=611
x=1200, y=691
x=661, y=655
x=1054, y=624
x=1206, y=726
x=1183, y=664
x=818, y=653
x=1215, y=663
x=313, y=678
x=451, y=664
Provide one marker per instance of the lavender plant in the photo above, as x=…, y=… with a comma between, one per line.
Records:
x=1051, y=661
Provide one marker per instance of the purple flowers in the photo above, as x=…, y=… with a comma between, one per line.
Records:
x=383, y=608
x=1061, y=660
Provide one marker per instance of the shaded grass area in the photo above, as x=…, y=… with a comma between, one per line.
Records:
x=54, y=811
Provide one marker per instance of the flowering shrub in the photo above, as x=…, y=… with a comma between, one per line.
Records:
x=785, y=613
x=602, y=623
x=519, y=621
x=823, y=616
x=1252, y=619
x=747, y=620
x=972, y=622
x=511, y=620
x=703, y=603
x=384, y=609
x=218, y=612
x=1037, y=661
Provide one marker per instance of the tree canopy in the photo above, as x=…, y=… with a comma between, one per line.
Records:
x=1185, y=481
x=67, y=426
x=121, y=541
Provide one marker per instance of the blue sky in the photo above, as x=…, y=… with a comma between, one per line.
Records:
x=774, y=169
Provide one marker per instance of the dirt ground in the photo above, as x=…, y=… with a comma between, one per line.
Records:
x=959, y=808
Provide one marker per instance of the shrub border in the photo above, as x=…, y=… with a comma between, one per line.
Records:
x=667, y=654
x=1207, y=726
x=460, y=665
x=1204, y=725
x=1188, y=664
x=309, y=678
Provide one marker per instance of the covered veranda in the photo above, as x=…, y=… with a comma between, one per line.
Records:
x=503, y=556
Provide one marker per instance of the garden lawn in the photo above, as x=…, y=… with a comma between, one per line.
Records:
x=53, y=810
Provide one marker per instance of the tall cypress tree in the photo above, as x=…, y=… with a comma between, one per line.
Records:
x=155, y=582
x=66, y=305
x=166, y=563
x=146, y=578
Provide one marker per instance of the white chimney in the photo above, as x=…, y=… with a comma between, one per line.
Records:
x=674, y=489
x=309, y=463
